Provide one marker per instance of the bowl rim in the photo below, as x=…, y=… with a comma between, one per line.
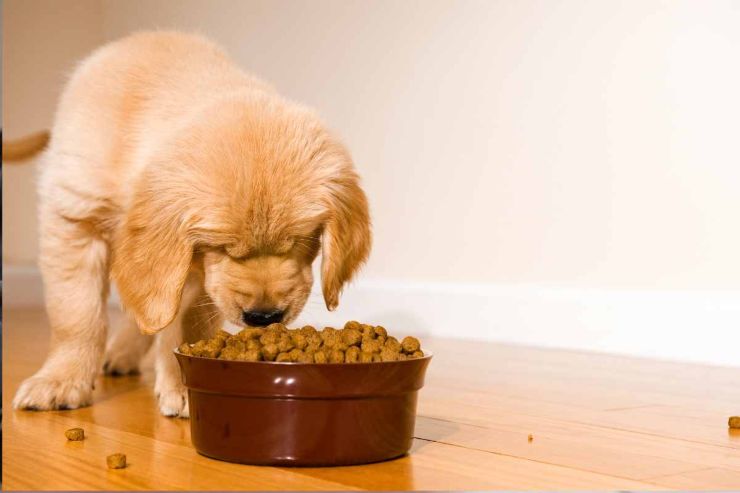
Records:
x=427, y=355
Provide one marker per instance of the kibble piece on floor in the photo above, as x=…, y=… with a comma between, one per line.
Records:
x=530, y=437
x=75, y=434
x=116, y=461
x=734, y=422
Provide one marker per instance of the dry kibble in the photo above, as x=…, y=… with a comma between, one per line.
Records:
x=371, y=346
x=253, y=344
x=252, y=355
x=410, y=345
x=229, y=353
x=330, y=336
x=314, y=342
x=307, y=330
x=354, y=343
x=734, y=422
x=381, y=332
x=393, y=344
x=270, y=352
x=299, y=340
x=351, y=337
x=75, y=434
x=295, y=354
x=250, y=333
x=283, y=357
x=530, y=437
x=320, y=356
x=285, y=344
x=388, y=354
x=277, y=327
x=336, y=356
x=116, y=461
x=327, y=332
x=305, y=357
x=368, y=331
x=352, y=355
x=270, y=337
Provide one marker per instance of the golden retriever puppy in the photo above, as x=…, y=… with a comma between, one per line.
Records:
x=201, y=193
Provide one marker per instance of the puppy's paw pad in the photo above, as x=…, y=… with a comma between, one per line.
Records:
x=174, y=403
x=43, y=393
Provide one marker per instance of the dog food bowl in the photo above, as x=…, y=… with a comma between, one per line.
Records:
x=302, y=414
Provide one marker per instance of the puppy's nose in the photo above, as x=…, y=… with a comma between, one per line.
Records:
x=260, y=319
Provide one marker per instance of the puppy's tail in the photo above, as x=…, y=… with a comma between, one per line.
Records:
x=25, y=147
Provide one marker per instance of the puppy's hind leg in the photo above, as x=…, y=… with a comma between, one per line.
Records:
x=74, y=265
x=126, y=349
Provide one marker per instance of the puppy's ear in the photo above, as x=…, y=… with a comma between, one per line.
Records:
x=345, y=243
x=151, y=259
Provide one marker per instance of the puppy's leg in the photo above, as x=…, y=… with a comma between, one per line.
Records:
x=74, y=265
x=126, y=349
x=197, y=318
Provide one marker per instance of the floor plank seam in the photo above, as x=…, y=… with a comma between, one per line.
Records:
x=607, y=475
x=591, y=425
x=663, y=476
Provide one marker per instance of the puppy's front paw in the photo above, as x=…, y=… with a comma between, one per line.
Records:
x=174, y=403
x=43, y=393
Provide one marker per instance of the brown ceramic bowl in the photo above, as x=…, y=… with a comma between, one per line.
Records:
x=302, y=414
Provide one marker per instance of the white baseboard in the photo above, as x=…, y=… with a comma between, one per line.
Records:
x=697, y=326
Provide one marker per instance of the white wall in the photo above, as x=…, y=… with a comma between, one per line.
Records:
x=555, y=173
x=588, y=143
x=42, y=40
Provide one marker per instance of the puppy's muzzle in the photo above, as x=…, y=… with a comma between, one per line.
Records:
x=261, y=318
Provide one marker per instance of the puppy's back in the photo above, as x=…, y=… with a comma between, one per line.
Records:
x=126, y=98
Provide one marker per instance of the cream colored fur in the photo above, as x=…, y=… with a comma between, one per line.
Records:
x=200, y=192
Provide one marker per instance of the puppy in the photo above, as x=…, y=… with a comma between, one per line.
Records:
x=201, y=193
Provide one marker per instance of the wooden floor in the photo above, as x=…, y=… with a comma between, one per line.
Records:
x=598, y=422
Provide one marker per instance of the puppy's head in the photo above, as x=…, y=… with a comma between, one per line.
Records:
x=246, y=196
